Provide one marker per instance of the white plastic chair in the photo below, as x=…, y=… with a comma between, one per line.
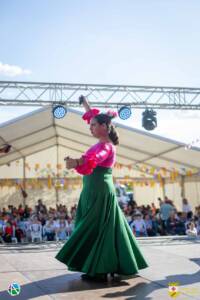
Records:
x=36, y=234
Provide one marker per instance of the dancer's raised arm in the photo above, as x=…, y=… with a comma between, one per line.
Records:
x=90, y=112
x=84, y=102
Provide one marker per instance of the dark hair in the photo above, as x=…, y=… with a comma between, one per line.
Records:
x=112, y=133
x=189, y=215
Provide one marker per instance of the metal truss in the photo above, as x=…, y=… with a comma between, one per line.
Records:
x=15, y=93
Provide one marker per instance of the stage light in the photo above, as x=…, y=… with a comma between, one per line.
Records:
x=149, y=121
x=124, y=112
x=59, y=111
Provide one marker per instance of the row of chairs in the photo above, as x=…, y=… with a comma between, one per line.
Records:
x=35, y=235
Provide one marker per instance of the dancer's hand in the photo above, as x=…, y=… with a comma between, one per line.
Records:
x=83, y=100
x=70, y=162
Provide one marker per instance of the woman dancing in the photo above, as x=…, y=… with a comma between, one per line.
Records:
x=102, y=242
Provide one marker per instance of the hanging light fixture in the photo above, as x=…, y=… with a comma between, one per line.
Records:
x=124, y=112
x=149, y=120
x=59, y=111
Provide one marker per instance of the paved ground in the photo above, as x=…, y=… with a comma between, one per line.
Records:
x=43, y=277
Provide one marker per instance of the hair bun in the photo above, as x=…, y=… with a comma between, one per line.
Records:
x=112, y=114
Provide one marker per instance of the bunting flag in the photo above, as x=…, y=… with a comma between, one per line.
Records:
x=27, y=166
x=71, y=184
x=152, y=184
x=49, y=183
x=143, y=168
x=45, y=176
x=59, y=166
x=37, y=166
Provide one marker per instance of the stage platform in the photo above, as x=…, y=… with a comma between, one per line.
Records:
x=41, y=276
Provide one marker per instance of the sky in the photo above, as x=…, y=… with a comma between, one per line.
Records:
x=131, y=42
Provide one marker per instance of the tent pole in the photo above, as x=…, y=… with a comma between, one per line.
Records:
x=163, y=187
x=182, y=186
x=24, y=179
x=57, y=176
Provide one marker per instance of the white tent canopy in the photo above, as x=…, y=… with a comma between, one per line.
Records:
x=38, y=131
x=38, y=137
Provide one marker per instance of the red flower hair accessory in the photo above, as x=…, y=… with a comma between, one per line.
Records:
x=90, y=114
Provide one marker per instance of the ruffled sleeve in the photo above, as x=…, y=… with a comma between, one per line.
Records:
x=93, y=158
x=90, y=114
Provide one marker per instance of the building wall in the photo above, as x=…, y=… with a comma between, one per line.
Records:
x=70, y=195
x=13, y=196
x=147, y=195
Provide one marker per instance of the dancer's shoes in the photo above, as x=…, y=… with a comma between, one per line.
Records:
x=86, y=277
x=97, y=278
x=115, y=277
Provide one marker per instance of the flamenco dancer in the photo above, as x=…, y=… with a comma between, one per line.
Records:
x=102, y=242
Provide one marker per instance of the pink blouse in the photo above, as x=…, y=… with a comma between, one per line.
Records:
x=101, y=154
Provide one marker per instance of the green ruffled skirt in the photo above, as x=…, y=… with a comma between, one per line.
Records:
x=102, y=241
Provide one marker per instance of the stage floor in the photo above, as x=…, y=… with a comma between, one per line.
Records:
x=41, y=276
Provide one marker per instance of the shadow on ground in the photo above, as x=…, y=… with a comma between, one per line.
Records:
x=71, y=283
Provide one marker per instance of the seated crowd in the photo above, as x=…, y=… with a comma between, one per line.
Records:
x=165, y=220
x=56, y=224
x=41, y=224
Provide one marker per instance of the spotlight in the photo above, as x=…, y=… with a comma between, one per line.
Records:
x=59, y=111
x=149, y=121
x=124, y=112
